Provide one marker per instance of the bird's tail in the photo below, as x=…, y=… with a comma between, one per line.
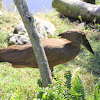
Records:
x=1, y=52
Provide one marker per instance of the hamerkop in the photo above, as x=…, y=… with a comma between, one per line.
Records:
x=58, y=51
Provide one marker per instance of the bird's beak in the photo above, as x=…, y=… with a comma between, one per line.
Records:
x=87, y=45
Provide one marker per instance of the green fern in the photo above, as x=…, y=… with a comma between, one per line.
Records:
x=67, y=91
x=53, y=92
x=68, y=75
x=77, y=90
x=97, y=91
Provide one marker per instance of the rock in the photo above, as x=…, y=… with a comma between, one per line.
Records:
x=41, y=30
x=20, y=36
x=23, y=39
x=20, y=28
x=13, y=38
x=18, y=39
x=44, y=27
x=49, y=27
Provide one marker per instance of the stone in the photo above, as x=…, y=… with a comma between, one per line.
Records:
x=44, y=27
x=41, y=31
x=20, y=28
x=49, y=27
x=13, y=38
x=20, y=36
x=23, y=39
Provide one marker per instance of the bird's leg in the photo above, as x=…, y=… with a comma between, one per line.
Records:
x=52, y=73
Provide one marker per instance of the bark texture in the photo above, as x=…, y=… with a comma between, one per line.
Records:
x=28, y=21
x=74, y=8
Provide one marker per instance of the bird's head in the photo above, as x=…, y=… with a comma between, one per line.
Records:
x=76, y=36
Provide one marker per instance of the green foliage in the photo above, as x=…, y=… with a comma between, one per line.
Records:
x=68, y=79
x=68, y=91
x=53, y=92
x=63, y=92
x=95, y=94
x=97, y=91
x=3, y=37
x=80, y=18
x=20, y=84
x=77, y=91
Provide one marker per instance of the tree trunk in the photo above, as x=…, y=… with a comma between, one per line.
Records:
x=28, y=21
x=0, y=4
x=74, y=8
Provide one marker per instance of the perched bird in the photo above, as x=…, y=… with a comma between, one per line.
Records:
x=58, y=51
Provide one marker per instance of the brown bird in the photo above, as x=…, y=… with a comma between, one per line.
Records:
x=58, y=51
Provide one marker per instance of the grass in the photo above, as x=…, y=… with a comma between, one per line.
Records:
x=21, y=84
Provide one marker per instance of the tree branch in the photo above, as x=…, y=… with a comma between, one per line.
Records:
x=28, y=21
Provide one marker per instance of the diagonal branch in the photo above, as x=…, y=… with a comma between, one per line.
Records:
x=28, y=21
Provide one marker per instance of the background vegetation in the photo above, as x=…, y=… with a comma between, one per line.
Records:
x=84, y=70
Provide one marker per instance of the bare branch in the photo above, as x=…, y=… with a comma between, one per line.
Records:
x=28, y=21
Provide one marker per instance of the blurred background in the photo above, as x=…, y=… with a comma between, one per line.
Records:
x=34, y=5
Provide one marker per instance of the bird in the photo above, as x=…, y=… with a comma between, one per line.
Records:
x=58, y=50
